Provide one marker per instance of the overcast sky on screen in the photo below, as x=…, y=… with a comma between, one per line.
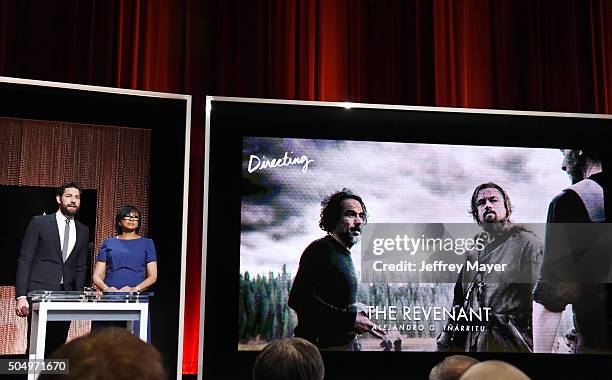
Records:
x=399, y=183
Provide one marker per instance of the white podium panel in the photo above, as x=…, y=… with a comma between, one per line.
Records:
x=91, y=306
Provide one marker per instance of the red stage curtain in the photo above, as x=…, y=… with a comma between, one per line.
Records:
x=537, y=55
x=551, y=55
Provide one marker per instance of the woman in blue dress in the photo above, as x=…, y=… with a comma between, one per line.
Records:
x=128, y=261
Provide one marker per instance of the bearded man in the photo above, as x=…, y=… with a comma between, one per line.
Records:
x=502, y=297
x=53, y=256
x=325, y=287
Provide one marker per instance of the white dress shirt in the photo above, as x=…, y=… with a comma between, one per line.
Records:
x=61, y=224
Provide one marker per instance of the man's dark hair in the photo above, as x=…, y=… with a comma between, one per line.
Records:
x=588, y=153
x=122, y=213
x=110, y=353
x=331, y=209
x=290, y=358
x=61, y=189
x=489, y=185
x=593, y=154
x=452, y=367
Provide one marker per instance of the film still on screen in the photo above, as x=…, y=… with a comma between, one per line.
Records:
x=427, y=247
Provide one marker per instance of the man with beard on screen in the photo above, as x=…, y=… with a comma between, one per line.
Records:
x=576, y=264
x=507, y=292
x=325, y=287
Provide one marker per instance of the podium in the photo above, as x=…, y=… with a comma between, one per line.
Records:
x=84, y=305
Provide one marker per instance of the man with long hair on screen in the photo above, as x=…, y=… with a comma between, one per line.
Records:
x=506, y=293
x=576, y=262
x=325, y=287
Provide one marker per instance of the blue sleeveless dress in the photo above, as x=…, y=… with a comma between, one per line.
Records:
x=126, y=264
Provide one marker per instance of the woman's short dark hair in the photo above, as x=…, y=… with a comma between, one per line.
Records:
x=126, y=211
x=331, y=209
x=67, y=185
x=290, y=358
x=489, y=185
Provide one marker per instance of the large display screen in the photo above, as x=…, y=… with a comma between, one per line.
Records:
x=406, y=233
x=406, y=184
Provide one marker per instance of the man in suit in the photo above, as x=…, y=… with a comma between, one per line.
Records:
x=53, y=256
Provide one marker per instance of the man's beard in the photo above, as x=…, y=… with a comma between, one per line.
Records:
x=494, y=227
x=574, y=169
x=67, y=212
x=348, y=238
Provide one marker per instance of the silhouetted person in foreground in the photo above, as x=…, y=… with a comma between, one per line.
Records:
x=289, y=359
x=111, y=353
x=452, y=367
x=494, y=369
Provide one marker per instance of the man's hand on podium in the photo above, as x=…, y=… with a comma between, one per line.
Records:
x=22, y=308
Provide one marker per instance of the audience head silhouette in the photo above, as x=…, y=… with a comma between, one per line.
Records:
x=291, y=358
x=452, y=367
x=494, y=369
x=111, y=353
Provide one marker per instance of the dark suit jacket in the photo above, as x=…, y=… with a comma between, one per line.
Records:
x=40, y=265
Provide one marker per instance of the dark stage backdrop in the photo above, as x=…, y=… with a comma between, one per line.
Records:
x=547, y=55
